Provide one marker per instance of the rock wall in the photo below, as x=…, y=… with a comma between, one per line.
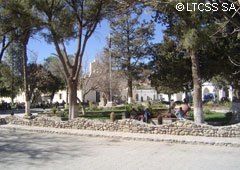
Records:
x=236, y=112
x=185, y=127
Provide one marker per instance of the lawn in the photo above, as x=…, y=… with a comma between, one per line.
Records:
x=209, y=116
x=100, y=116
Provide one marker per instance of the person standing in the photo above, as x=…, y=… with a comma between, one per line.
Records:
x=147, y=115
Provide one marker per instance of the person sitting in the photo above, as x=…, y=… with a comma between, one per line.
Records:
x=180, y=114
x=147, y=115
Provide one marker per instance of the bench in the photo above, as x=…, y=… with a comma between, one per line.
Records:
x=166, y=118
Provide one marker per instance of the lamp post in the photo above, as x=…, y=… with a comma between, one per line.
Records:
x=110, y=68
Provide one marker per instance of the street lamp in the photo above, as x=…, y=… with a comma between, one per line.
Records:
x=110, y=67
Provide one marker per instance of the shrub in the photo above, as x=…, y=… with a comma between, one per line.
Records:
x=208, y=112
x=178, y=102
x=210, y=103
x=54, y=110
x=129, y=107
x=149, y=103
x=140, y=108
x=228, y=104
x=90, y=105
x=228, y=115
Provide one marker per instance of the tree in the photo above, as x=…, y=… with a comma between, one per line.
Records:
x=19, y=18
x=129, y=40
x=231, y=15
x=41, y=80
x=53, y=65
x=9, y=88
x=191, y=30
x=65, y=20
x=102, y=77
x=4, y=42
x=171, y=70
x=13, y=59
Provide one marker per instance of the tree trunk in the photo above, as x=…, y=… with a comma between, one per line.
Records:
x=73, y=105
x=197, y=88
x=130, y=93
x=12, y=85
x=67, y=96
x=81, y=101
x=51, y=97
x=26, y=91
x=170, y=108
x=235, y=96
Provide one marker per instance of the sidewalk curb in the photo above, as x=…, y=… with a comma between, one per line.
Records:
x=121, y=135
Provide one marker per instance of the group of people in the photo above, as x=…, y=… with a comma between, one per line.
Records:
x=141, y=116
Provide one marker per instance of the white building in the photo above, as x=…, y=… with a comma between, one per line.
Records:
x=61, y=96
x=138, y=95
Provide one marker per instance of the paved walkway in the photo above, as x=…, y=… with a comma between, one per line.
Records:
x=24, y=150
x=234, y=142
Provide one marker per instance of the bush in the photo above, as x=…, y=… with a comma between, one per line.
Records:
x=210, y=103
x=129, y=107
x=178, y=102
x=140, y=108
x=208, y=112
x=54, y=110
x=228, y=104
x=90, y=105
x=149, y=103
x=228, y=115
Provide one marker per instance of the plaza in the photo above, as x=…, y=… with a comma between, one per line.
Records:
x=22, y=149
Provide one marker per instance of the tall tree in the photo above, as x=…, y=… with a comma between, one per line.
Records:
x=130, y=38
x=8, y=87
x=66, y=20
x=54, y=66
x=191, y=30
x=42, y=80
x=231, y=15
x=20, y=19
x=101, y=76
x=13, y=59
x=171, y=70
x=4, y=42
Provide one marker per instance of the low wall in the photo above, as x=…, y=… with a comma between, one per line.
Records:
x=185, y=127
x=236, y=112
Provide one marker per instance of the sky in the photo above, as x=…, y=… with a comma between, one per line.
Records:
x=38, y=47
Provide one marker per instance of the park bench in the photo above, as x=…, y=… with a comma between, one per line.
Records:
x=166, y=118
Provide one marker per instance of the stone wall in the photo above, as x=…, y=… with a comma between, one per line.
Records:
x=177, y=128
x=2, y=121
x=236, y=112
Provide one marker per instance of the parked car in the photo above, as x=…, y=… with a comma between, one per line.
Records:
x=208, y=97
x=224, y=99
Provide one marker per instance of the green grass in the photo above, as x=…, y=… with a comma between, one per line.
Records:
x=100, y=116
x=213, y=117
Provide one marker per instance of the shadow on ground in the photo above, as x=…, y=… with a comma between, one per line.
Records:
x=35, y=149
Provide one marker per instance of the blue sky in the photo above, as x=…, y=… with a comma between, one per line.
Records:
x=95, y=44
